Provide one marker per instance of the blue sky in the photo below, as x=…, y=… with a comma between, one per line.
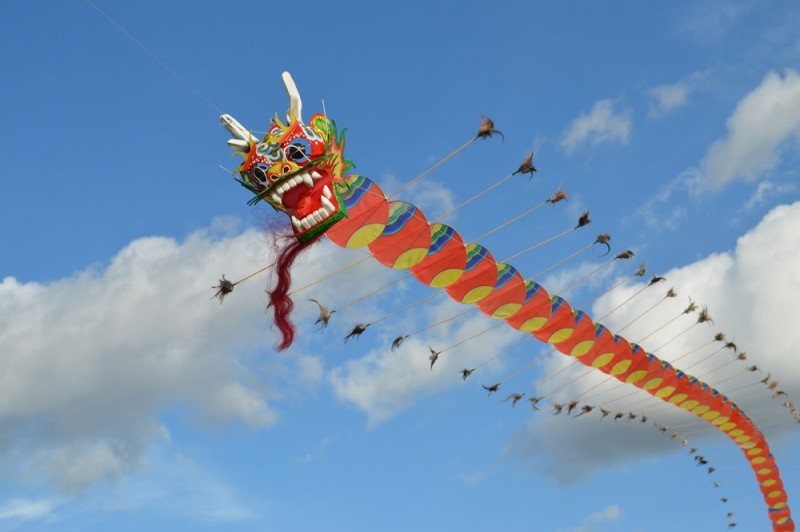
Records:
x=131, y=400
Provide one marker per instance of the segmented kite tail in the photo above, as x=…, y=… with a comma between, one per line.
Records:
x=288, y=250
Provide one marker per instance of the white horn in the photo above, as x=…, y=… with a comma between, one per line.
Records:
x=295, y=103
x=241, y=135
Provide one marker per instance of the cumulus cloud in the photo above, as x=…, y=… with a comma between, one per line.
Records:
x=666, y=98
x=751, y=295
x=604, y=123
x=383, y=383
x=91, y=361
x=763, y=125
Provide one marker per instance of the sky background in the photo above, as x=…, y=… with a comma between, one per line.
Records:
x=131, y=400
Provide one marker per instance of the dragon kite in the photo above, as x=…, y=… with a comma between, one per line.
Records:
x=299, y=169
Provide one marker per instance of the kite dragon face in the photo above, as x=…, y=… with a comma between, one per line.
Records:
x=297, y=168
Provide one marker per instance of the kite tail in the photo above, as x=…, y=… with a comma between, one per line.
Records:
x=279, y=298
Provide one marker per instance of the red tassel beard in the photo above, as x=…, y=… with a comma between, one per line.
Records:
x=287, y=248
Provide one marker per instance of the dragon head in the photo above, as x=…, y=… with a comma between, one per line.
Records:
x=297, y=168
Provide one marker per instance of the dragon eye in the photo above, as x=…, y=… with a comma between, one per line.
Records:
x=259, y=172
x=298, y=151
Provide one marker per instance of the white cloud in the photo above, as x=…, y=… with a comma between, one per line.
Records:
x=751, y=293
x=665, y=211
x=767, y=190
x=315, y=453
x=473, y=478
x=761, y=127
x=604, y=123
x=91, y=361
x=26, y=510
x=173, y=485
x=233, y=400
x=667, y=98
x=609, y=514
x=710, y=21
x=430, y=196
x=383, y=383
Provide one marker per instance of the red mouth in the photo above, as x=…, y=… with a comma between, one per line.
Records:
x=307, y=197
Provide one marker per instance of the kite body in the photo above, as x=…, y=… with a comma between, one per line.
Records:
x=300, y=170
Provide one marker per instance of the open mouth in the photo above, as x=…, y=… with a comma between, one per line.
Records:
x=309, y=198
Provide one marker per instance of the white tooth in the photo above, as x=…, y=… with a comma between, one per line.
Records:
x=327, y=204
x=295, y=222
x=317, y=217
x=326, y=192
x=315, y=174
x=305, y=223
x=276, y=198
x=307, y=179
x=296, y=180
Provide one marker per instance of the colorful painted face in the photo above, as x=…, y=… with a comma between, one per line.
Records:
x=297, y=169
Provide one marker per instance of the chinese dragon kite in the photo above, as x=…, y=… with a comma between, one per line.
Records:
x=299, y=169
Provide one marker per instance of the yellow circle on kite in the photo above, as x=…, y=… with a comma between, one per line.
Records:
x=410, y=258
x=742, y=439
x=533, y=324
x=755, y=451
x=446, y=277
x=758, y=460
x=688, y=405
x=769, y=482
x=560, y=335
x=506, y=311
x=735, y=433
x=365, y=235
x=665, y=392
x=602, y=360
x=725, y=427
x=620, y=367
x=711, y=414
x=773, y=494
x=700, y=410
x=678, y=398
x=764, y=471
x=783, y=520
x=720, y=420
x=636, y=376
x=779, y=506
x=582, y=348
x=476, y=294
x=653, y=383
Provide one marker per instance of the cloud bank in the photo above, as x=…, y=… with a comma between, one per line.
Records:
x=751, y=296
x=91, y=361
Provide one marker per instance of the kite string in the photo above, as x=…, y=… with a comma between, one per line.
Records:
x=476, y=196
x=156, y=58
x=247, y=277
x=429, y=170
